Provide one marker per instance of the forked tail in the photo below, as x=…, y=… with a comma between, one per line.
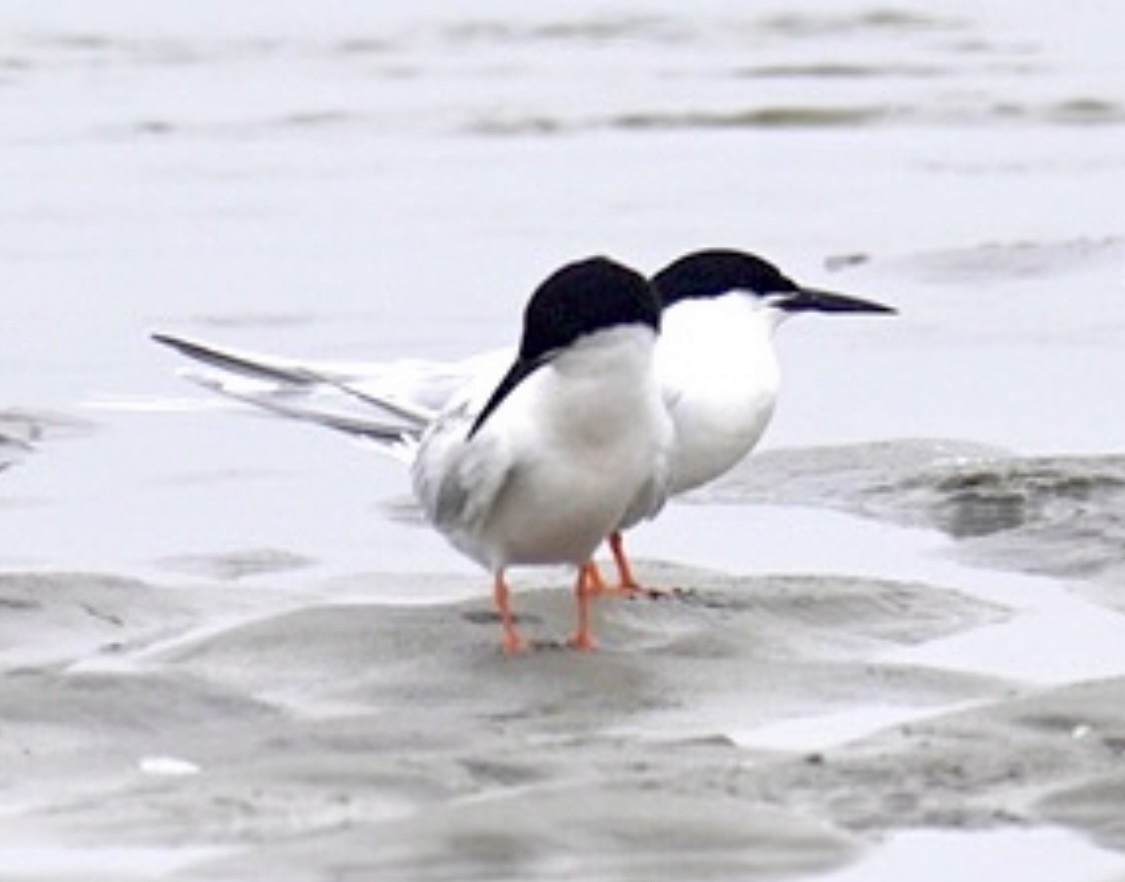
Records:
x=311, y=394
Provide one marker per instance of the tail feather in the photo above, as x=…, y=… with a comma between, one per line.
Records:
x=341, y=422
x=412, y=413
x=311, y=395
x=259, y=368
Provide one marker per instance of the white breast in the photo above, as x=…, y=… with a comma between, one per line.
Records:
x=576, y=444
x=719, y=374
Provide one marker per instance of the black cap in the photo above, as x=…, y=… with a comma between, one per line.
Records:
x=717, y=271
x=582, y=298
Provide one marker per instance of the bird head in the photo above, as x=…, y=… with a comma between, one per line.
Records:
x=715, y=273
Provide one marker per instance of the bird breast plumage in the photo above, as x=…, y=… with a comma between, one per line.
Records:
x=719, y=372
x=582, y=442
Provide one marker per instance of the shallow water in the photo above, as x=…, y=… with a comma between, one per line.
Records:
x=873, y=617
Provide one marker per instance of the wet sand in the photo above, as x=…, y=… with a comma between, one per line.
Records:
x=747, y=727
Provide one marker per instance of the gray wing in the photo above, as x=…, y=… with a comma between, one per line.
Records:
x=458, y=481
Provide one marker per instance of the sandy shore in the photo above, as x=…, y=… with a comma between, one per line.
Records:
x=745, y=727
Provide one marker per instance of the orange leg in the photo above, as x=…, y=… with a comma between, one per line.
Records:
x=597, y=585
x=513, y=643
x=585, y=587
x=626, y=587
x=627, y=584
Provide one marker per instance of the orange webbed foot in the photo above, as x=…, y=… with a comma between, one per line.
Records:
x=627, y=585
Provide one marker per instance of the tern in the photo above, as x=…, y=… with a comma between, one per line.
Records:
x=715, y=362
x=540, y=466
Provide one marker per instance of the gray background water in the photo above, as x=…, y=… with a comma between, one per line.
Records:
x=360, y=182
